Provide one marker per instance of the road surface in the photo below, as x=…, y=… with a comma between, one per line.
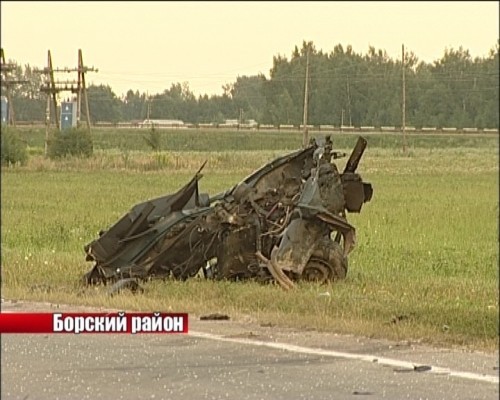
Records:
x=235, y=360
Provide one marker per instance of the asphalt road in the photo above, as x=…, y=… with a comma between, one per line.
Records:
x=235, y=360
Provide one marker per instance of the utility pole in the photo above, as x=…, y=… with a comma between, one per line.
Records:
x=349, y=101
x=306, y=104
x=53, y=88
x=82, y=86
x=79, y=94
x=8, y=83
x=149, y=107
x=404, y=102
x=47, y=124
x=78, y=87
x=47, y=112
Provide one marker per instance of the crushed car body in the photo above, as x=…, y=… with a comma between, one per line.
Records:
x=284, y=222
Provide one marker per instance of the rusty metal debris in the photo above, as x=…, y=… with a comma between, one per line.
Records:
x=285, y=222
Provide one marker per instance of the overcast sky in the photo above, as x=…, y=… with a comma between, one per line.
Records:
x=147, y=46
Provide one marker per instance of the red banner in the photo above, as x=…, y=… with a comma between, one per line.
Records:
x=76, y=323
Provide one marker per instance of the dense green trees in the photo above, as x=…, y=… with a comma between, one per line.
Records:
x=103, y=104
x=178, y=102
x=345, y=88
x=29, y=103
x=134, y=106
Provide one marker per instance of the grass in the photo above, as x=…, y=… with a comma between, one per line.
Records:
x=203, y=139
x=425, y=266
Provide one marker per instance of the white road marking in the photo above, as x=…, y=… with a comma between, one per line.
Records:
x=407, y=365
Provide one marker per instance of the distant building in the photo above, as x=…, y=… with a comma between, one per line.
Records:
x=234, y=123
x=5, y=110
x=162, y=123
x=230, y=123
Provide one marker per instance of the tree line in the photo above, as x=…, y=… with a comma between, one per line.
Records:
x=346, y=88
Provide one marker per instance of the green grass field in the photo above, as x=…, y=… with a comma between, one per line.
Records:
x=219, y=140
x=425, y=266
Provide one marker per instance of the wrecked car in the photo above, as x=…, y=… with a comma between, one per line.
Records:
x=285, y=222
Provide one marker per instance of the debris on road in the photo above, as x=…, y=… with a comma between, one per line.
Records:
x=215, y=317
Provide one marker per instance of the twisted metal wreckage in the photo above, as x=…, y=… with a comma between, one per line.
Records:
x=284, y=222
